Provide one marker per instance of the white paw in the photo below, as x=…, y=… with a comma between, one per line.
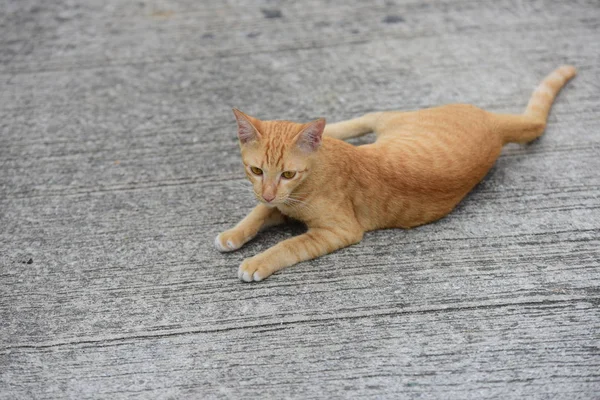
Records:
x=249, y=274
x=224, y=246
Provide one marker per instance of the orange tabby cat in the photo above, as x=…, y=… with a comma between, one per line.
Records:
x=420, y=167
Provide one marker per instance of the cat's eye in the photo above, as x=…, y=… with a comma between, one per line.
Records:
x=288, y=174
x=256, y=170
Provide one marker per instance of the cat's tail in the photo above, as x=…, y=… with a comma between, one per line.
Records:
x=530, y=125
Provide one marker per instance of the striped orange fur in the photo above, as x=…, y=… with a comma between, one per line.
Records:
x=419, y=168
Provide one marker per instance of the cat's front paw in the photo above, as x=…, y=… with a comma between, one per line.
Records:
x=250, y=271
x=228, y=241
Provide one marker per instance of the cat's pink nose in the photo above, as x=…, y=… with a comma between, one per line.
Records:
x=268, y=197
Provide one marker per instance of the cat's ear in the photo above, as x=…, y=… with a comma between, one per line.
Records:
x=246, y=131
x=309, y=139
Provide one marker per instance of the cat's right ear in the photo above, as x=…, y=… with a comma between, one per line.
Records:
x=246, y=131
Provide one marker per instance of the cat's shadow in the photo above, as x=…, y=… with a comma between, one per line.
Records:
x=273, y=235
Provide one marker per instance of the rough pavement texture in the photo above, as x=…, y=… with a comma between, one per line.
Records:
x=119, y=165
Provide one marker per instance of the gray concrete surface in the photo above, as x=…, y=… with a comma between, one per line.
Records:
x=119, y=165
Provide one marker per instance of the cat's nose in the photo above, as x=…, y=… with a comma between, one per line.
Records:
x=268, y=197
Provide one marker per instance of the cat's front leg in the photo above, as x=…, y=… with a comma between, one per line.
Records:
x=312, y=244
x=259, y=218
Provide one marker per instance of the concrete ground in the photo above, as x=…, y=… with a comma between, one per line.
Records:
x=119, y=165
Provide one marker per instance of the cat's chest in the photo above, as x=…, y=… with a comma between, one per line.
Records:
x=300, y=213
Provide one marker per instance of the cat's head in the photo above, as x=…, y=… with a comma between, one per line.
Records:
x=278, y=155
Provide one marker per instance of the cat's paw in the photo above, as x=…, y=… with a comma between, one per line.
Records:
x=252, y=271
x=228, y=241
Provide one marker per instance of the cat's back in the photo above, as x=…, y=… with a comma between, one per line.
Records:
x=425, y=162
x=421, y=165
x=449, y=144
x=451, y=123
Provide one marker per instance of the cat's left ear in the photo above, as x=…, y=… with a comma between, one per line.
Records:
x=309, y=139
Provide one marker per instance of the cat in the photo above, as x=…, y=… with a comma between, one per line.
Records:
x=419, y=168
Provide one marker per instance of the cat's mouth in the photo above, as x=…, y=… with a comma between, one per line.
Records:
x=271, y=203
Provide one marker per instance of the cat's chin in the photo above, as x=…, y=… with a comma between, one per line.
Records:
x=271, y=204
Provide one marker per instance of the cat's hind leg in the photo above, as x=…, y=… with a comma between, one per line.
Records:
x=353, y=127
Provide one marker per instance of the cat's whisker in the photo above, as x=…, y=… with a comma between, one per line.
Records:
x=242, y=185
x=244, y=189
x=294, y=202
